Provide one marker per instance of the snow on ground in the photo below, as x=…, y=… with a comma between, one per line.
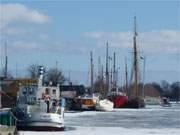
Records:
x=152, y=120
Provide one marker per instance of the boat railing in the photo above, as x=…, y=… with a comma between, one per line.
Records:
x=7, y=117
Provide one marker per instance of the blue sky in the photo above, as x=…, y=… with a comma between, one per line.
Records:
x=50, y=31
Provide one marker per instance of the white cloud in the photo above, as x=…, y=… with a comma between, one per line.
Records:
x=20, y=13
x=164, y=41
x=159, y=42
x=46, y=46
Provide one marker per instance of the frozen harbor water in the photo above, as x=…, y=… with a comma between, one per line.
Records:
x=152, y=120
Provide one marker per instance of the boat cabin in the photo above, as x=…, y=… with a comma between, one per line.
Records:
x=41, y=99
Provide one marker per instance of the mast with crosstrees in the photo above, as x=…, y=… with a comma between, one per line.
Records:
x=135, y=99
x=114, y=72
x=135, y=64
x=107, y=70
x=126, y=79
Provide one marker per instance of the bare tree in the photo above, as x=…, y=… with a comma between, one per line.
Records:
x=175, y=91
x=165, y=85
x=33, y=71
x=55, y=76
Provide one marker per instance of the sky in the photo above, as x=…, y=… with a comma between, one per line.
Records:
x=57, y=33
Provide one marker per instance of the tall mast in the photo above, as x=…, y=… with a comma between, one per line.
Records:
x=102, y=73
x=126, y=74
x=6, y=61
x=114, y=71
x=135, y=60
x=102, y=79
x=99, y=74
x=111, y=79
x=91, y=55
x=107, y=70
x=99, y=68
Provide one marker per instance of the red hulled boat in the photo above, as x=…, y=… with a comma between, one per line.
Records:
x=118, y=98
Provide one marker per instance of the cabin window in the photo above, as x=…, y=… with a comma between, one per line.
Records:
x=30, y=91
x=24, y=92
x=54, y=91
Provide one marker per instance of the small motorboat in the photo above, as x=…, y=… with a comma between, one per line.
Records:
x=88, y=101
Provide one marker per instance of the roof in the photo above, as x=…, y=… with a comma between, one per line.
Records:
x=151, y=91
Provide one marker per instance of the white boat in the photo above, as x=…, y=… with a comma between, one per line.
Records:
x=40, y=107
x=152, y=100
x=104, y=105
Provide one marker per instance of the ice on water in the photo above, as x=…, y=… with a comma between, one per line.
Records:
x=152, y=120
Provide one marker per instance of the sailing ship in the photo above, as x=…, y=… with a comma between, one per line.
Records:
x=39, y=107
x=88, y=100
x=92, y=100
x=135, y=99
x=118, y=98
